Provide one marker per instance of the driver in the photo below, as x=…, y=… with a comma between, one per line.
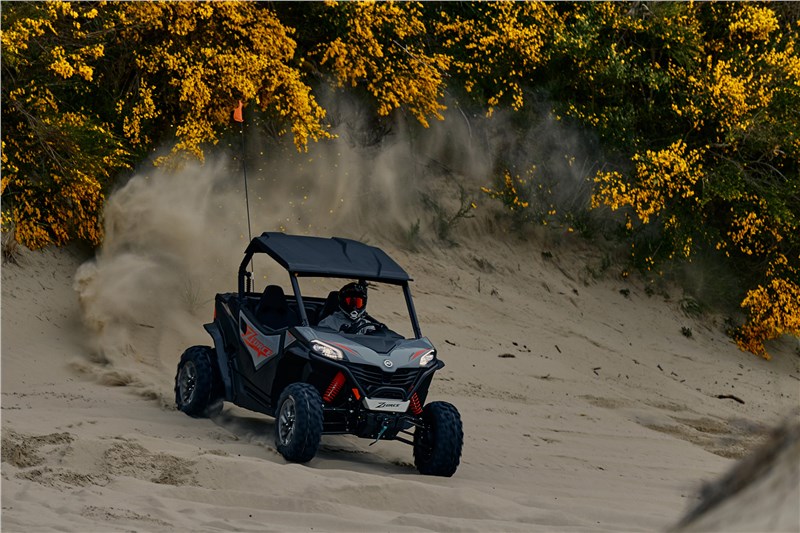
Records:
x=352, y=317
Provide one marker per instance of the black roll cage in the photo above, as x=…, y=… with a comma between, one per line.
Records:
x=245, y=280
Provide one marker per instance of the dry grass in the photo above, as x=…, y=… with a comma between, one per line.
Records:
x=11, y=250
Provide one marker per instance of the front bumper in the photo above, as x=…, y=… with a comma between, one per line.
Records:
x=373, y=382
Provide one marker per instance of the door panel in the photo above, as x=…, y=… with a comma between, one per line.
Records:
x=259, y=352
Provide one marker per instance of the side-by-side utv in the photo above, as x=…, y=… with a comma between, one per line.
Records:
x=270, y=354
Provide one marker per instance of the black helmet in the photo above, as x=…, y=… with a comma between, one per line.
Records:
x=353, y=300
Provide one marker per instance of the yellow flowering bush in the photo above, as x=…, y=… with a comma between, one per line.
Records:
x=729, y=179
x=382, y=49
x=661, y=190
x=773, y=310
x=528, y=199
x=497, y=47
x=204, y=57
x=56, y=153
x=513, y=192
x=615, y=66
x=659, y=177
x=90, y=87
x=695, y=106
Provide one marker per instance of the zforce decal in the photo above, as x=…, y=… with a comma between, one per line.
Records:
x=260, y=347
x=250, y=338
x=392, y=406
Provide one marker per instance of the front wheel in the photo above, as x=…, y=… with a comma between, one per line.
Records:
x=298, y=423
x=196, y=383
x=438, y=443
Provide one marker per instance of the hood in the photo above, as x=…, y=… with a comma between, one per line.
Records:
x=373, y=349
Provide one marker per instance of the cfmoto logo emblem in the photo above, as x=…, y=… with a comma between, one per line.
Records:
x=387, y=363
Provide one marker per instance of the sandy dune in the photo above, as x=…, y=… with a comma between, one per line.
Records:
x=760, y=493
x=584, y=408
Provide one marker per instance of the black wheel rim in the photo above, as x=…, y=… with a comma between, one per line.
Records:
x=187, y=382
x=286, y=421
x=424, y=444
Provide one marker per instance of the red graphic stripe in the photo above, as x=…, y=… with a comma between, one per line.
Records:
x=250, y=338
x=417, y=354
x=343, y=347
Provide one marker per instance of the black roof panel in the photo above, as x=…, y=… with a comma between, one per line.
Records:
x=335, y=257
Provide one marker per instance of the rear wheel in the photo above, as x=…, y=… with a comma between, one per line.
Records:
x=196, y=383
x=298, y=423
x=438, y=443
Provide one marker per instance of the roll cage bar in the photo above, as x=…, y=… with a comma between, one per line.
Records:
x=380, y=267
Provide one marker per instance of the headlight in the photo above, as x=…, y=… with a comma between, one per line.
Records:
x=427, y=357
x=326, y=350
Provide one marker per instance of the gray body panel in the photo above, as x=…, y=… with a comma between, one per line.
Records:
x=405, y=354
x=261, y=347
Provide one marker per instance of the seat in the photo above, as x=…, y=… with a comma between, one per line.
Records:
x=331, y=304
x=272, y=310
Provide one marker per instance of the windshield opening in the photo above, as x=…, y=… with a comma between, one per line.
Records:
x=385, y=303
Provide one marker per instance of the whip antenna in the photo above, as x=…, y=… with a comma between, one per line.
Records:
x=238, y=117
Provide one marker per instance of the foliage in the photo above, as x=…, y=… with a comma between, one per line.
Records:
x=528, y=199
x=445, y=220
x=512, y=192
x=663, y=187
x=411, y=236
x=192, y=62
x=90, y=87
x=381, y=48
x=57, y=152
x=773, y=309
x=695, y=105
x=729, y=178
x=496, y=47
x=618, y=64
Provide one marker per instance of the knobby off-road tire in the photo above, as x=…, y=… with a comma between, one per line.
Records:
x=196, y=387
x=437, y=445
x=298, y=423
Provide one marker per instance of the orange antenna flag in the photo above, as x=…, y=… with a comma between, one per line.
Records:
x=237, y=113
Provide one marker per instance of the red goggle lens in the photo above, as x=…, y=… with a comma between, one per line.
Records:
x=355, y=302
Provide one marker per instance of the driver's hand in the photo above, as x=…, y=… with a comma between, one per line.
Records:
x=359, y=327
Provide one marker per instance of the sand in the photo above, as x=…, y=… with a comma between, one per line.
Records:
x=585, y=408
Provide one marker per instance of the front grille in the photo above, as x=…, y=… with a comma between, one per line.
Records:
x=372, y=378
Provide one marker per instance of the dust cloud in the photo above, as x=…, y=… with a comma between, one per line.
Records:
x=174, y=238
